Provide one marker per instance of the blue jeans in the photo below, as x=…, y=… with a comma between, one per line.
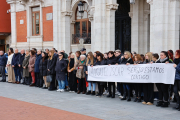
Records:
x=94, y=86
x=66, y=81
x=126, y=86
x=61, y=84
x=17, y=74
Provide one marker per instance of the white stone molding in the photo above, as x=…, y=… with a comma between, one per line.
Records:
x=11, y=1
x=73, y=21
x=74, y=2
x=146, y=13
x=130, y=14
x=67, y=13
x=150, y=2
x=91, y=18
x=112, y=6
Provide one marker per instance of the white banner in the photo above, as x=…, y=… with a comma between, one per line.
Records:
x=142, y=73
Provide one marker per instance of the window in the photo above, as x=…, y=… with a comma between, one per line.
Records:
x=36, y=21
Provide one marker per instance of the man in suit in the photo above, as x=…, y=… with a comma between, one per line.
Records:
x=3, y=61
x=21, y=59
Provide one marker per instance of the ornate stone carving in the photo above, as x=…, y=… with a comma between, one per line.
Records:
x=81, y=43
x=73, y=21
x=150, y=2
x=112, y=6
x=130, y=14
x=91, y=18
x=67, y=13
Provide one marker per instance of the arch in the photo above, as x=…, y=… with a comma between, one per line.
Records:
x=75, y=3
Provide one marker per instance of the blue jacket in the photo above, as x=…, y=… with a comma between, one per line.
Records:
x=3, y=60
x=37, y=62
x=15, y=60
x=177, y=76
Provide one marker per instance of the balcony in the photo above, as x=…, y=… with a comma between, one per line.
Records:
x=85, y=36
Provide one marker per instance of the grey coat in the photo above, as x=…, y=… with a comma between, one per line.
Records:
x=25, y=64
x=61, y=69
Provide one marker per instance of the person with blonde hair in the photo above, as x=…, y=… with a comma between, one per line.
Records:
x=51, y=73
x=90, y=61
x=148, y=88
x=126, y=86
x=72, y=74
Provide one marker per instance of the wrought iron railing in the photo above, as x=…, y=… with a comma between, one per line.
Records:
x=85, y=36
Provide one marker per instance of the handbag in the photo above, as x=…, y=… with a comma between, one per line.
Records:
x=49, y=78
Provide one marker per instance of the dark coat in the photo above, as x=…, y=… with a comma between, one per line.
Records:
x=119, y=58
x=104, y=62
x=111, y=61
x=3, y=60
x=61, y=68
x=15, y=60
x=25, y=64
x=51, y=64
x=125, y=61
x=43, y=67
x=38, y=58
x=21, y=58
x=177, y=76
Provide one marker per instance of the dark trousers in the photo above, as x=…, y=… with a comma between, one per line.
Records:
x=27, y=80
x=148, y=89
x=82, y=85
x=21, y=72
x=17, y=74
x=39, y=79
x=163, y=91
x=2, y=71
x=109, y=88
x=176, y=89
x=53, y=83
x=138, y=88
x=72, y=81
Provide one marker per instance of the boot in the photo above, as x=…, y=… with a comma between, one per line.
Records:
x=159, y=103
x=165, y=104
x=129, y=95
x=88, y=93
x=109, y=95
x=32, y=84
x=124, y=95
x=177, y=106
x=93, y=93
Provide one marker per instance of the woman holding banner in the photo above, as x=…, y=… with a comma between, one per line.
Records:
x=163, y=88
x=148, y=88
x=126, y=86
x=90, y=61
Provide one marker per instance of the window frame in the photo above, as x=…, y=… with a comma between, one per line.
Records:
x=34, y=25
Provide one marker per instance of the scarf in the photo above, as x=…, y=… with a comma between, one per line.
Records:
x=162, y=60
x=83, y=61
x=71, y=63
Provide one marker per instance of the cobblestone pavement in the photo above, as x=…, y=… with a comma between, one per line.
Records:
x=102, y=108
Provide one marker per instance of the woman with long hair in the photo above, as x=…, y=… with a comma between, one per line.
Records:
x=148, y=88
x=43, y=69
x=126, y=86
x=80, y=74
x=11, y=75
x=31, y=66
x=90, y=61
x=72, y=73
x=51, y=64
x=138, y=86
x=26, y=74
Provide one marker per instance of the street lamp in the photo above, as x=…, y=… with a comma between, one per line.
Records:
x=81, y=9
x=132, y=1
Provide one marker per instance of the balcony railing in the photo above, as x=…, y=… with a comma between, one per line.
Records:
x=85, y=36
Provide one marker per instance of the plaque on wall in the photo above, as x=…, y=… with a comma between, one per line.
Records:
x=21, y=21
x=49, y=16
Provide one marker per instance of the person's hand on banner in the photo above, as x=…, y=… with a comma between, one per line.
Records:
x=167, y=62
x=87, y=72
x=127, y=63
x=174, y=65
x=135, y=64
x=116, y=63
x=109, y=64
x=151, y=62
x=91, y=65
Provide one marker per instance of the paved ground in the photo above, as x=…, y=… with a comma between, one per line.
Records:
x=102, y=108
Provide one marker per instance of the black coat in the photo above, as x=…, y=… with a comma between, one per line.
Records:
x=104, y=62
x=111, y=61
x=15, y=60
x=125, y=61
x=21, y=58
x=61, y=68
x=51, y=64
x=43, y=67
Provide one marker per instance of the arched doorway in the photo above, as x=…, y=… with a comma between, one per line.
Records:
x=123, y=26
x=82, y=26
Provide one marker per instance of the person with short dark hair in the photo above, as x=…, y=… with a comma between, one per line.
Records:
x=31, y=66
x=83, y=51
x=3, y=61
x=78, y=53
x=39, y=77
x=35, y=50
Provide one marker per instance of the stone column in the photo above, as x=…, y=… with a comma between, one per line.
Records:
x=164, y=24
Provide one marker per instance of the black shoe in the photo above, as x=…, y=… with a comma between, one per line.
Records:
x=165, y=104
x=124, y=98
x=88, y=93
x=93, y=93
x=177, y=107
x=136, y=99
x=129, y=95
x=160, y=103
x=129, y=99
x=139, y=100
x=33, y=84
x=109, y=95
x=2, y=81
x=44, y=88
x=113, y=96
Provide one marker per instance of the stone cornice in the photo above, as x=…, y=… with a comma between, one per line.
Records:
x=11, y=1
x=150, y=2
x=112, y=6
x=67, y=13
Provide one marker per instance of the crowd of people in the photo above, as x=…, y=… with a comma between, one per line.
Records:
x=56, y=70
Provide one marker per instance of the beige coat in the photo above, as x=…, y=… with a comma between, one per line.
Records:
x=80, y=72
x=11, y=75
